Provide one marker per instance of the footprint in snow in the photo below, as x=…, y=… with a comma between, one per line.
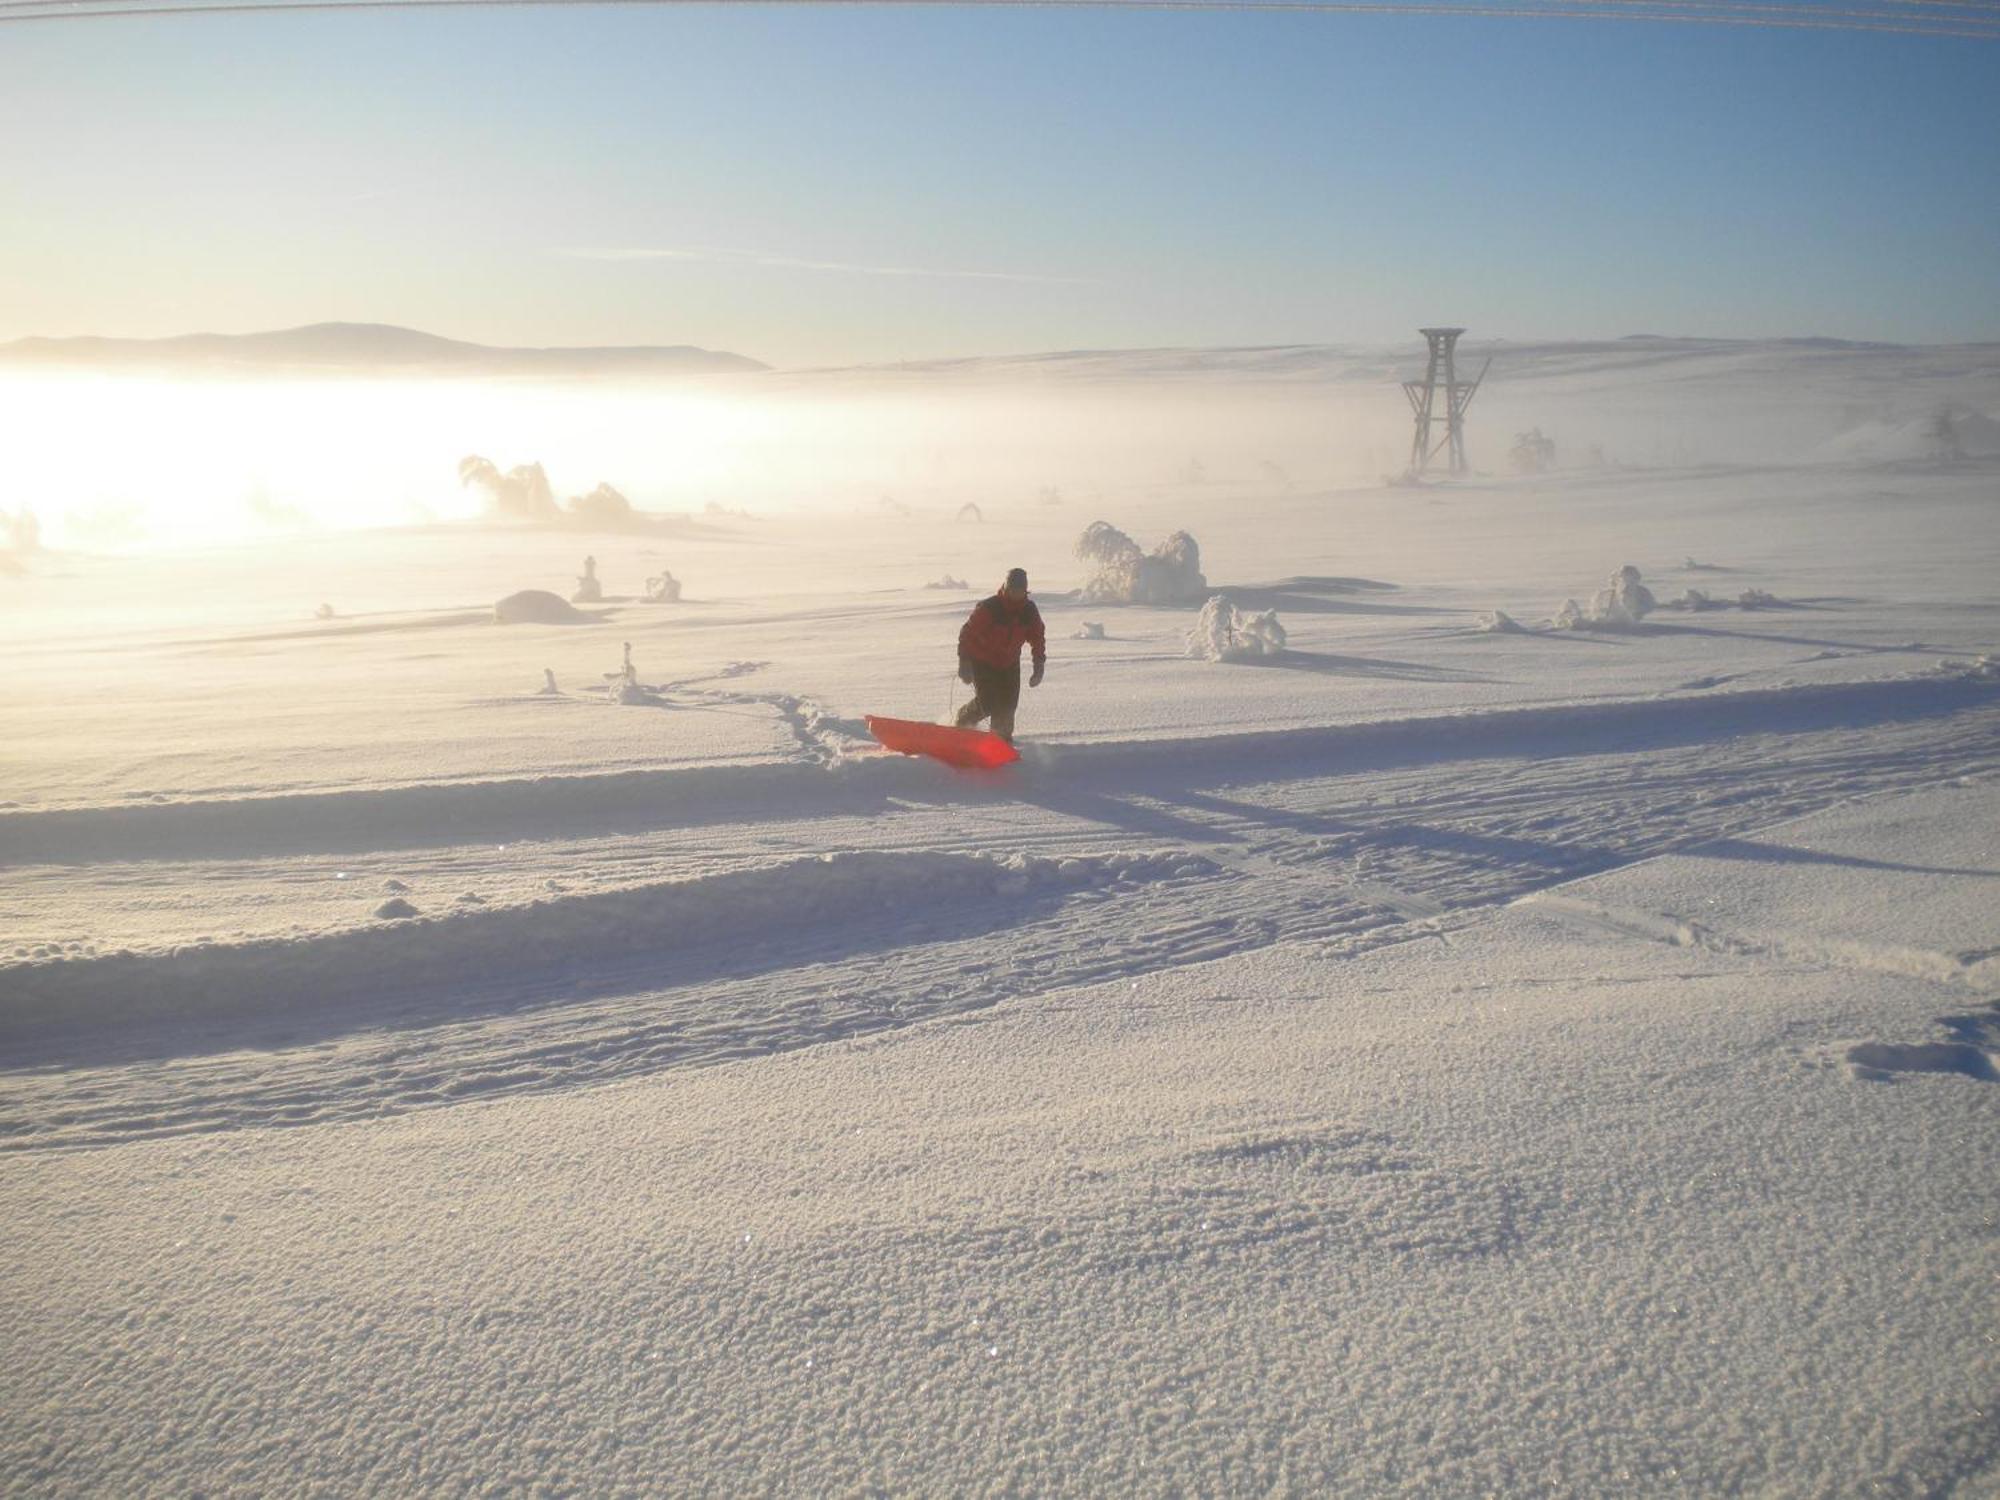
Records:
x=1967, y=1054
x=1351, y=1188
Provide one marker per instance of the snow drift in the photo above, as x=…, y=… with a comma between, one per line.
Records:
x=447, y=950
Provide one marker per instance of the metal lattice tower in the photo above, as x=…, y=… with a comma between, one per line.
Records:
x=1423, y=401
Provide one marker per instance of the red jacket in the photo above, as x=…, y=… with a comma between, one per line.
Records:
x=994, y=633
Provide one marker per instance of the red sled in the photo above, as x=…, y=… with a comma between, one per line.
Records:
x=968, y=749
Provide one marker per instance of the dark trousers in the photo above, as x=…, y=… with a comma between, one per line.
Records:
x=996, y=693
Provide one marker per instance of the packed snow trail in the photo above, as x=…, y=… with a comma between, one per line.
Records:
x=768, y=951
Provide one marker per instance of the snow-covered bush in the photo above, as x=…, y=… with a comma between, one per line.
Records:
x=1693, y=601
x=663, y=588
x=1499, y=622
x=624, y=686
x=1170, y=574
x=1222, y=632
x=604, y=508
x=1089, y=630
x=948, y=582
x=1532, y=453
x=588, y=590
x=1624, y=600
x=1275, y=473
x=1620, y=604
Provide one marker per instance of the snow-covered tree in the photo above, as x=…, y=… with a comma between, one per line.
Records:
x=1222, y=632
x=1171, y=574
x=521, y=494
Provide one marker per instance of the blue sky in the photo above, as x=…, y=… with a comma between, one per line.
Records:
x=846, y=184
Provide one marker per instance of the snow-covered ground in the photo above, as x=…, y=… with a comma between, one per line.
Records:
x=1428, y=1059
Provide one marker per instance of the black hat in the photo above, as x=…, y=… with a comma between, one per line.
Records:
x=1017, y=578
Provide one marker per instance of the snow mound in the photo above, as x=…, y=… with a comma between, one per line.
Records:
x=1170, y=574
x=1499, y=622
x=1950, y=432
x=948, y=582
x=394, y=909
x=1089, y=630
x=1619, y=605
x=538, y=607
x=1980, y=669
x=1223, y=632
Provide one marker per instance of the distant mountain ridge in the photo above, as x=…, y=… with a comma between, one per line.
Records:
x=369, y=348
x=380, y=348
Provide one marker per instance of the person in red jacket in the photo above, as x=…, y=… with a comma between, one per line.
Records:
x=989, y=654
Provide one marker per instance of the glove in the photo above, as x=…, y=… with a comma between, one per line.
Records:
x=1035, y=677
x=965, y=670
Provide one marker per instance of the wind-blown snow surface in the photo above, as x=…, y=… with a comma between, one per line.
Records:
x=1427, y=1059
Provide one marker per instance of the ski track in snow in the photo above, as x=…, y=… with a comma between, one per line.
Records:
x=944, y=894
x=1980, y=969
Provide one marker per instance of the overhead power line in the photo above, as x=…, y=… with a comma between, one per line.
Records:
x=1970, y=20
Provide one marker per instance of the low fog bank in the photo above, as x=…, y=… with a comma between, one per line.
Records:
x=20, y=539
x=108, y=463
x=1637, y=402
x=112, y=464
